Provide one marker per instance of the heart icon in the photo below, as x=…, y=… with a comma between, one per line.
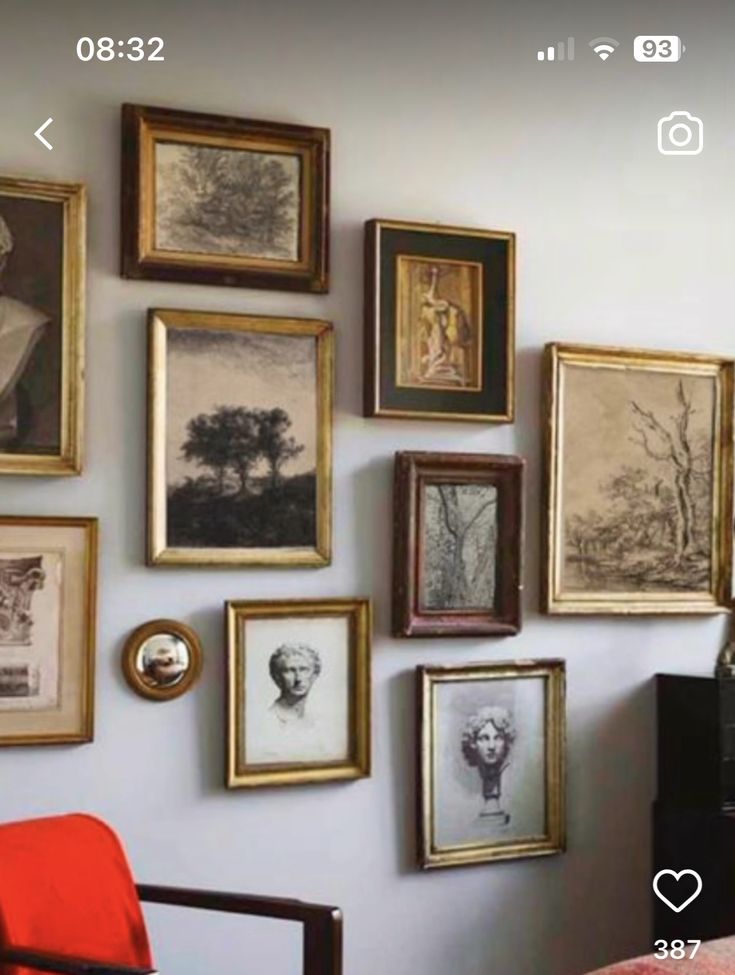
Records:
x=677, y=876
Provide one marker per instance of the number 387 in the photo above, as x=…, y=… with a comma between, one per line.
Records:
x=676, y=950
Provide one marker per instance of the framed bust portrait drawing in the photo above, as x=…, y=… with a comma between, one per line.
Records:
x=491, y=762
x=298, y=691
x=42, y=252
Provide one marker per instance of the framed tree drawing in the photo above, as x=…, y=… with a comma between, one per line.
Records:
x=211, y=199
x=42, y=252
x=48, y=582
x=638, y=478
x=457, y=544
x=491, y=762
x=439, y=322
x=240, y=439
x=298, y=691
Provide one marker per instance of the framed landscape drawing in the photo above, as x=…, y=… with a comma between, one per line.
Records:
x=457, y=545
x=298, y=691
x=217, y=200
x=638, y=481
x=240, y=439
x=42, y=248
x=491, y=762
x=439, y=322
x=48, y=582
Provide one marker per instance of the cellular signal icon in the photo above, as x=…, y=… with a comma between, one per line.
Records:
x=604, y=47
x=563, y=51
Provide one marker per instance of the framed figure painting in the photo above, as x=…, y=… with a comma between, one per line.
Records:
x=439, y=322
x=491, y=762
x=211, y=199
x=638, y=481
x=457, y=545
x=240, y=439
x=48, y=581
x=298, y=691
x=42, y=248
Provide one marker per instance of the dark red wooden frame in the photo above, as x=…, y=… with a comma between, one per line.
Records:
x=413, y=470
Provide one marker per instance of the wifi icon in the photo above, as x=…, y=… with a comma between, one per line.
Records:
x=604, y=47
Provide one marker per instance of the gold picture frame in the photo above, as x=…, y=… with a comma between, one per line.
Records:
x=290, y=361
x=638, y=481
x=43, y=413
x=489, y=794
x=294, y=739
x=48, y=578
x=162, y=659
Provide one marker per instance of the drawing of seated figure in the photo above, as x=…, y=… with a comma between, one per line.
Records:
x=445, y=338
x=19, y=579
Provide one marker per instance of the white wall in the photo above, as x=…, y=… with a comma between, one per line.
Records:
x=439, y=112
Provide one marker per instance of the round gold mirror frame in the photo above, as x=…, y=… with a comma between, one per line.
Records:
x=132, y=649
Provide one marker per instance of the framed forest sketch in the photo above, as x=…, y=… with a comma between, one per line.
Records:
x=298, y=691
x=457, y=548
x=219, y=200
x=638, y=481
x=48, y=582
x=439, y=322
x=491, y=761
x=42, y=248
x=240, y=439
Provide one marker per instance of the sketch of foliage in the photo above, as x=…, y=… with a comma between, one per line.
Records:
x=227, y=201
x=652, y=530
x=459, y=546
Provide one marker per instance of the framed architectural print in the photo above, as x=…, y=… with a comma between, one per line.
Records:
x=240, y=439
x=491, y=762
x=48, y=582
x=457, y=546
x=42, y=248
x=638, y=480
x=439, y=322
x=162, y=659
x=298, y=691
x=211, y=199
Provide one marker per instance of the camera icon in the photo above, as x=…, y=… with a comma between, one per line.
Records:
x=680, y=134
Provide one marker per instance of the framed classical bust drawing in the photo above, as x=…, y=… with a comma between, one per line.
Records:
x=240, y=439
x=457, y=544
x=211, y=199
x=638, y=480
x=298, y=691
x=42, y=249
x=439, y=322
x=491, y=761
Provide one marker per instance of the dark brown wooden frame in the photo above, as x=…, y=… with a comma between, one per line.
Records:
x=136, y=263
x=322, y=951
x=413, y=470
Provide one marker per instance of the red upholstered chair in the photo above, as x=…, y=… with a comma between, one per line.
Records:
x=68, y=903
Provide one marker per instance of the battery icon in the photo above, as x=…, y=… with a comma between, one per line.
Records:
x=658, y=48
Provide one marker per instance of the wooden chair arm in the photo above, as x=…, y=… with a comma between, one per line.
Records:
x=42, y=961
x=322, y=952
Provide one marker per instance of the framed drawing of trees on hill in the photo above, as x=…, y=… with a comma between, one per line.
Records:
x=638, y=481
x=458, y=532
x=219, y=200
x=240, y=439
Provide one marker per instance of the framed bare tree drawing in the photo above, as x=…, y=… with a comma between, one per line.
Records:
x=458, y=531
x=240, y=439
x=42, y=251
x=638, y=481
x=48, y=585
x=219, y=200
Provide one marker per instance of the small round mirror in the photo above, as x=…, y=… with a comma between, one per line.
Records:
x=162, y=659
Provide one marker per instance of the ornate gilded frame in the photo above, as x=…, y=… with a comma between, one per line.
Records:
x=430, y=853
x=138, y=637
x=73, y=199
x=359, y=611
x=554, y=599
x=159, y=322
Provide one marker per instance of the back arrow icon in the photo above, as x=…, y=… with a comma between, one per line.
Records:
x=40, y=129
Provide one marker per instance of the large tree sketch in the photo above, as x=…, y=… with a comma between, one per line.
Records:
x=652, y=529
x=459, y=546
x=231, y=201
